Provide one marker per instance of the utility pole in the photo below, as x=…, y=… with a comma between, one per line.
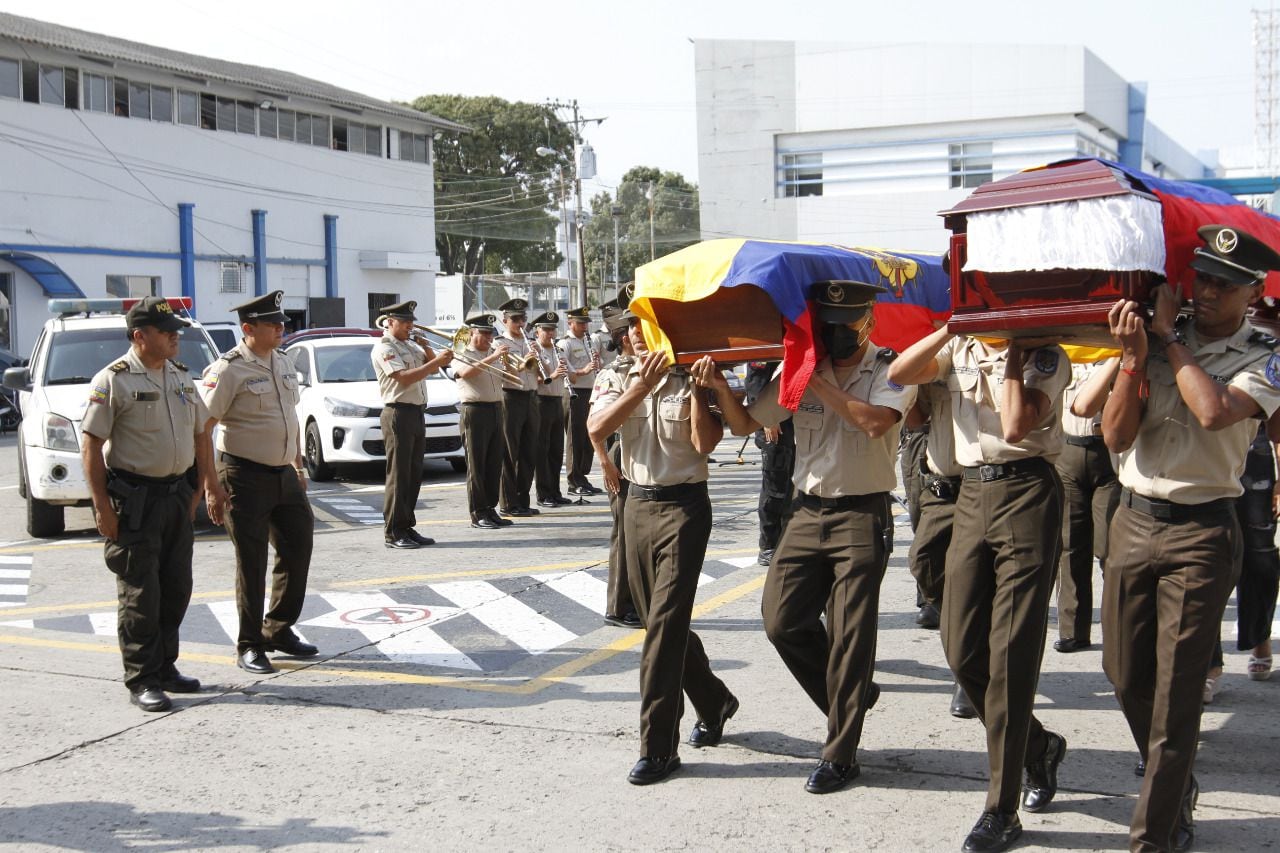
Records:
x=649, y=194
x=578, y=123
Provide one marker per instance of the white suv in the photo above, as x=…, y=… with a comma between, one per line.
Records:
x=84, y=337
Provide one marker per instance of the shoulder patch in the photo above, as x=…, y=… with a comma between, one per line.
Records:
x=1046, y=361
x=179, y=365
x=119, y=366
x=1263, y=339
x=1273, y=370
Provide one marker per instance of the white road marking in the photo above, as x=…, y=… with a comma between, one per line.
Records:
x=14, y=561
x=740, y=562
x=104, y=624
x=228, y=617
x=579, y=586
x=13, y=589
x=15, y=574
x=407, y=643
x=520, y=623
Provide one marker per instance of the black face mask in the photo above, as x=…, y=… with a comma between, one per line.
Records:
x=840, y=341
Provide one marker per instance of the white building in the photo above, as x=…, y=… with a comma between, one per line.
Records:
x=128, y=169
x=864, y=144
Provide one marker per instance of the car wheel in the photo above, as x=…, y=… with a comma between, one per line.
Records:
x=44, y=519
x=313, y=455
x=459, y=463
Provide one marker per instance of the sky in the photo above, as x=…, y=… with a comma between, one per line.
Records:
x=632, y=62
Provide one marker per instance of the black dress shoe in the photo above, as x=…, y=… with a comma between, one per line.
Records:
x=485, y=522
x=150, y=699
x=419, y=538
x=1140, y=769
x=255, y=661
x=1068, y=645
x=528, y=510
x=961, y=707
x=497, y=519
x=1185, y=835
x=290, y=645
x=593, y=490
x=1042, y=774
x=873, y=695
x=765, y=557
x=928, y=617
x=176, y=682
x=830, y=776
x=649, y=770
x=516, y=512
x=403, y=542
x=993, y=831
x=709, y=734
x=580, y=491
x=630, y=619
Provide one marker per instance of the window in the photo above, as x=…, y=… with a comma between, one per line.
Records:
x=161, y=104
x=226, y=114
x=139, y=100
x=376, y=303
x=267, y=123
x=208, y=112
x=288, y=124
x=121, y=96
x=413, y=146
x=6, y=316
x=188, y=108
x=320, y=131
x=52, y=86
x=30, y=82
x=802, y=174
x=373, y=140
x=10, y=78
x=230, y=277
x=970, y=164
x=340, y=134
x=71, y=88
x=133, y=286
x=246, y=121
x=303, y=131
x=95, y=93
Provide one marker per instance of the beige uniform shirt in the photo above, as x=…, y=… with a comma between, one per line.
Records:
x=940, y=449
x=518, y=349
x=578, y=353
x=1074, y=424
x=550, y=357
x=149, y=419
x=485, y=386
x=255, y=400
x=1173, y=457
x=390, y=355
x=834, y=458
x=975, y=381
x=657, y=438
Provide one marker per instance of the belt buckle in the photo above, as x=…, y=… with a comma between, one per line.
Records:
x=987, y=473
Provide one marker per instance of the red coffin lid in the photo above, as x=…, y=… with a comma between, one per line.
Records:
x=1069, y=182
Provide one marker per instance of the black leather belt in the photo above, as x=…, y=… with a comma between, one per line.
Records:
x=987, y=473
x=840, y=503
x=416, y=406
x=141, y=480
x=241, y=462
x=1084, y=440
x=1162, y=510
x=517, y=391
x=665, y=493
x=479, y=402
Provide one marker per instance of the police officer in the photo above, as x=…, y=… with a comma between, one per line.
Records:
x=583, y=361
x=519, y=430
x=915, y=433
x=253, y=391
x=1090, y=494
x=777, y=462
x=835, y=548
x=1006, y=407
x=480, y=395
x=619, y=608
x=400, y=366
x=1181, y=418
x=668, y=429
x=550, y=401
x=145, y=446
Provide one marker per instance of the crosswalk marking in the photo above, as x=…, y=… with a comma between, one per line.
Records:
x=579, y=586
x=15, y=579
x=416, y=643
x=15, y=574
x=13, y=589
x=104, y=624
x=524, y=626
x=740, y=562
x=228, y=617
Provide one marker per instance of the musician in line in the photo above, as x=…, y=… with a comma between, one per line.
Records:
x=550, y=401
x=480, y=398
x=835, y=548
x=519, y=424
x=668, y=429
x=583, y=360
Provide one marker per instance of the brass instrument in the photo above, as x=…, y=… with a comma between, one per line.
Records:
x=533, y=359
x=458, y=342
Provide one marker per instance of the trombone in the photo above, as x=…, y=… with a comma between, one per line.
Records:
x=458, y=342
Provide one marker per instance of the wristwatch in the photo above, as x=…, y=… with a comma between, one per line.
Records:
x=1174, y=337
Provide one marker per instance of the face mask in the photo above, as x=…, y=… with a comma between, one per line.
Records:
x=840, y=341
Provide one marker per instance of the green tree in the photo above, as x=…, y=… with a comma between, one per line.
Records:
x=495, y=196
x=644, y=190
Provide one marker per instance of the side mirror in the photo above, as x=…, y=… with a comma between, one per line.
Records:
x=17, y=379
x=302, y=379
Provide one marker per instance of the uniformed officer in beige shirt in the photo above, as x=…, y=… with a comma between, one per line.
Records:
x=582, y=361
x=253, y=392
x=480, y=371
x=400, y=366
x=1182, y=417
x=519, y=421
x=1006, y=414
x=668, y=429
x=145, y=451
x=550, y=400
x=835, y=548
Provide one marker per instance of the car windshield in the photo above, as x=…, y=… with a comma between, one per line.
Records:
x=345, y=364
x=75, y=355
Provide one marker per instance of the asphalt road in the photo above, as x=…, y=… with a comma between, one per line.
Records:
x=469, y=696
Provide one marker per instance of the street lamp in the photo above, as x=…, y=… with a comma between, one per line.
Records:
x=544, y=151
x=616, y=212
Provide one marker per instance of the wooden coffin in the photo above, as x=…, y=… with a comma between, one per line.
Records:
x=732, y=325
x=1070, y=305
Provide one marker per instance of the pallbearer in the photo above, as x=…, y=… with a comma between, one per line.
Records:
x=550, y=401
x=480, y=396
x=835, y=548
x=583, y=359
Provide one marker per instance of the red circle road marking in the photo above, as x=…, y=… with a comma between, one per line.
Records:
x=394, y=614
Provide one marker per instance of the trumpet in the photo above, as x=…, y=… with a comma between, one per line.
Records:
x=458, y=342
x=535, y=360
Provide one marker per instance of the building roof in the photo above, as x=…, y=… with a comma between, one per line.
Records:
x=267, y=81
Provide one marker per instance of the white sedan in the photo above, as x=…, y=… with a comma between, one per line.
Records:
x=339, y=407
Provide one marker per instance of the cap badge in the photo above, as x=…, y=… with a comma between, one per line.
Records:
x=279, y=296
x=163, y=308
x=835, y=293
x=1226, y=241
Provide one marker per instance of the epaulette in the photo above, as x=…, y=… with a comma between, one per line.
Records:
x=179, y=365
x=232, y=355
x=1257, y=336
x=119, y=366
x=887, y=354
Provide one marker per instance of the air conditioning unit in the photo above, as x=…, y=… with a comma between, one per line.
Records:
x=231, y=277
